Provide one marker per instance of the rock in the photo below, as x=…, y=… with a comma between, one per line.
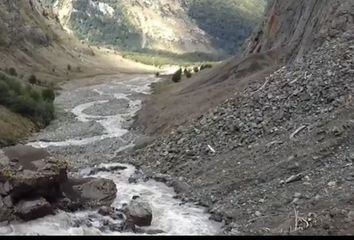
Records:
x=332, y=184
x=297, y=195
x=139, y=212
x=105, y=211
x=5, y=188
x=68, y=205
x=33, y=181
x=7, y=202
x=91, y=192
x=136, y=177
x=107, y=169
x=29, y=210
x=116, y=227
x=294, y=178
x=2, y=190
x=180, y=187
x=5, y=212
x=217, y=217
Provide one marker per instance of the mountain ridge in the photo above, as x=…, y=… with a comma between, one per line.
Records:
x=178, y=26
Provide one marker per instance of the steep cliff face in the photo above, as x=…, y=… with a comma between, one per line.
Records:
x=296, y=27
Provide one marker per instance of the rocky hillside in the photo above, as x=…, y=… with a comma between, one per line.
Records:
x=269, y=152
x=35, y=50
x=177, y=26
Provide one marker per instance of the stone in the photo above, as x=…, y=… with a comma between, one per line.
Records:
x=91, y=192
x=33, y=181
x=30, y=210
x=7, y=202
x=2, y=190
x=105, y=211
x=139, y=212
x=297, y=195
x=216, y=217
x=180, y=187
x=258, y=214
x=7, y=187
x=332, y=184
x=294, y=178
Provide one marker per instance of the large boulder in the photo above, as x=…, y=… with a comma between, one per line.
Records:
x=29, y=210
x=5, y=212
x=90, y=192
x=27, y=172
x=139, y=212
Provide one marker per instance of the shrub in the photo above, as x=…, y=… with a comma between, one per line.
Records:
x=27, y=100
x=12, y=71
x=26, y=105
x=69, y=67
x=157, y=74
x=196, y=69
x=188, y=74
x=4, y=93
x=48, y=94
x=32, y=79
x=176, y=77
x=35, y=95
x=205, y=66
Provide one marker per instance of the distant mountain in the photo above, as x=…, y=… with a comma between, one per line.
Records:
x=178, y=26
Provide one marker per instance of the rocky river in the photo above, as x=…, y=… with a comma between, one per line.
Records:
x=91, y=128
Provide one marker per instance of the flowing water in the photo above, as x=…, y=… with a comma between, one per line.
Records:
x=92, y=130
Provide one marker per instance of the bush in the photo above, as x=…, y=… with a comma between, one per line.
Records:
x=188, y=74
x=196, y=69
x=177, y=76
x=32, y=79
x=48, y=94
x=157, y=74
x=26, y=105
x=205, y=66
x=12, y=71
x=69, y=67
x=27, y=100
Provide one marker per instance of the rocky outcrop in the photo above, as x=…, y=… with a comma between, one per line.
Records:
x=296, y=27
x=33, y=185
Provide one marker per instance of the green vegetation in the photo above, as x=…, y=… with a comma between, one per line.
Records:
x=12, y=71
x=35, y=103
x=187, y=73
x=159, y=58
x=32, y=79
x=229, y=22
x=205, y=66
x=176, y=77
